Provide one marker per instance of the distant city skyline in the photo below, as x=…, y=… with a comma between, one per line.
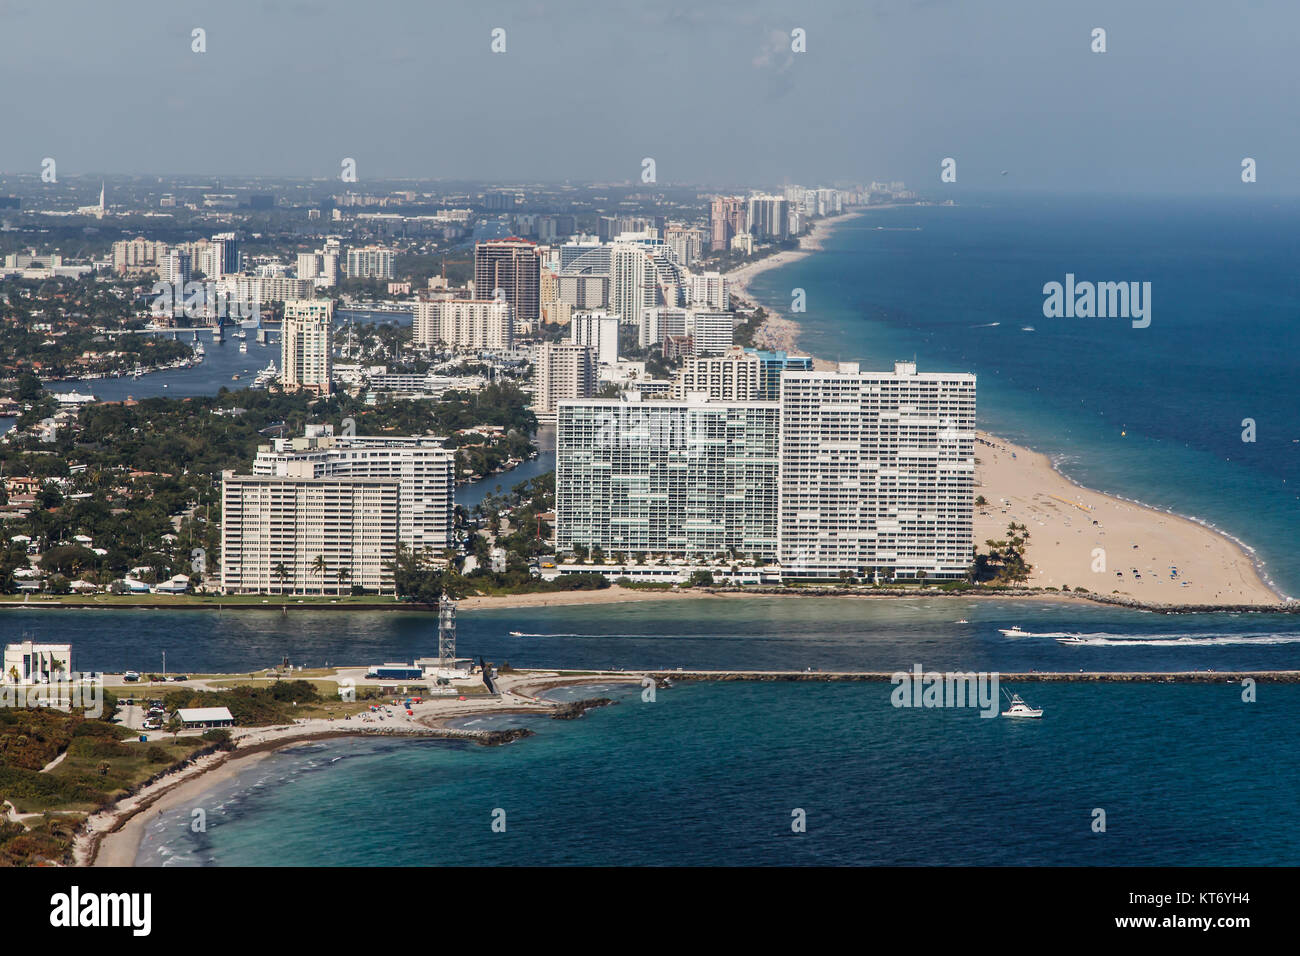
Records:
x=713, y=94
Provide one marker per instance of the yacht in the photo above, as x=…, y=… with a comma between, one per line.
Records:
x=1019, y=708
x=1013, y=631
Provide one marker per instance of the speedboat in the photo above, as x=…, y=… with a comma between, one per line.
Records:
x=1071, y=640
x=1013, y=631
x=516, y=634
x=1019, y=708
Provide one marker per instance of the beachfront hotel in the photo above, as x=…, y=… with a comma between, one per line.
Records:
x=865, y=473
x=877, y=472
x=693, y=477
x=737, y=375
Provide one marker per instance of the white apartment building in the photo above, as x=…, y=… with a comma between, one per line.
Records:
x=295, y=534
x=690, y=477
x=735, y=376
x=468, y=324
x=561, y=370
x=598, y=331
x=307, y=345
x=712, y=332
x=711, y=290
x=877, y=472
x=370, y=262
x=422, y=466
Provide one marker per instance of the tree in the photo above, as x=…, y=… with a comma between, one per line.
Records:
x=175, y=725
x=981, y=501
x=281, y=574
x=321, y=567
x=343, y=575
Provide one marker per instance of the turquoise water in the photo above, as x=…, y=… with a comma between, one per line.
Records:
x=1152, y=414
x=710, y=775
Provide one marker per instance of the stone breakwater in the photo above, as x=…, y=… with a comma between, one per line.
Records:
x=1284, y=607
x=667, y=678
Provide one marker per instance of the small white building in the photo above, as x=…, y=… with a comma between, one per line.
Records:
x=32, y=663
x=195, y=718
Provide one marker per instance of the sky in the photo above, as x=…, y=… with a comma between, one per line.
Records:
x=709, y=89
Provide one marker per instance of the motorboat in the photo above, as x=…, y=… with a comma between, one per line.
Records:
x=1019, y=708
x=1013, y=631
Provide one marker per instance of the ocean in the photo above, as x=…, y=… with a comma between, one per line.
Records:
x=1152, y=414
x=1186, y=774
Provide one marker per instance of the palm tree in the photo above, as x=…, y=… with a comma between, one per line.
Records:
x=343, y=575
x=13, y=674
x=281, y=574
x=321, y=567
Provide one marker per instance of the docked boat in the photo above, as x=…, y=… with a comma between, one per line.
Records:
x=1019, y=708
x=1013, y=631
x=243, y=346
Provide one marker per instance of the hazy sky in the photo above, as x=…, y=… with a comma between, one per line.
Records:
x=709, y=88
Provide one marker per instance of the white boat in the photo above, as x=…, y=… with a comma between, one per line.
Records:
x=1013, y=631
x=962, y=621
x=243, y=346
x=516, y=634
x=1019, y=708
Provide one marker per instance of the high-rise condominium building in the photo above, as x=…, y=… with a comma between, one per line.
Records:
x=711, y=290
x=710, y=332
x=137, y=255
x=469, y=324
x=307, y=345
x=643, y=275
x=370, y=262
x=737, y=375
x=877, y=472
x=513, y=266
x=561, y=370
x=769, y=217
x=668, y=477
x=598, y=331
x=423, y=468
x=295, y=534
x=728, y=217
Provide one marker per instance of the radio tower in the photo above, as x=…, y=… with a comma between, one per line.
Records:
x=446, y=633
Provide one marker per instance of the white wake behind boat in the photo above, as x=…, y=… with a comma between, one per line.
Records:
x=1019, y=708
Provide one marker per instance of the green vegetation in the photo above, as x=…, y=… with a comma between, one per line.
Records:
x=1005, y=561
x=251, y=706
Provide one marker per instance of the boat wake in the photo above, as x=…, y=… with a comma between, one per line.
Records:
x=1221, y=639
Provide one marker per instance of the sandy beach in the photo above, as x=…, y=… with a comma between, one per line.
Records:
x=1085, y=539
x=112, y=837
x=1067, y=521
x=779, y=332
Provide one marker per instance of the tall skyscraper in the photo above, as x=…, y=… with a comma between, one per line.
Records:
x=877, y=472
x=727, y=219
x=307, y=345
x=690, y=477
x=513, y=266
x=769, y=217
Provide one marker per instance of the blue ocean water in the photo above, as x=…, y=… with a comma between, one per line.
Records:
x=1152, y=414
x=712, y=775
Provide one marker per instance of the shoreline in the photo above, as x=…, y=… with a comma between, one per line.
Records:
x=1037, y=491
x=112, y=836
